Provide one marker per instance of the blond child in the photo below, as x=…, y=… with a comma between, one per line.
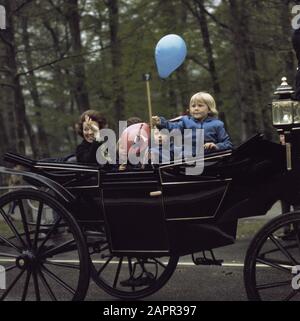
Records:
x=202, y=115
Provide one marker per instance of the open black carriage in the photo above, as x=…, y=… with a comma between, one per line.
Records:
x=128, y=229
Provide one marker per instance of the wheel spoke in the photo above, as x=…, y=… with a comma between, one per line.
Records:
x=274, y=265
x=55, y=225
x=58, y=280
x=277, y=261
x=283, y=250
x=104, y=265
x=36, y=286
x=159, y=263
x=8, y=255
x=24, y=221
x=291, y=295
x=288, y=247
x=11, y=286
x=66, y=265
x=142, y=265
x=118, y=272
x=38, y=224
x=10, y=244
x=12, y=227
x=296, y=229
x=59, y=249
x=272, y=285
x=130, y=269
x=24, y=295
x=10, y=268
x=104, y=248
x=47, y=286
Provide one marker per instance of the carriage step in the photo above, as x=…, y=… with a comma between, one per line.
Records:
x=203, y=261
x=207, y=261
x=142, y=281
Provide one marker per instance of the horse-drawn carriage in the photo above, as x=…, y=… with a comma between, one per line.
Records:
x=128, y=229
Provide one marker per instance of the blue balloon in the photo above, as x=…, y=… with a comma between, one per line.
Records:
x=170, y=53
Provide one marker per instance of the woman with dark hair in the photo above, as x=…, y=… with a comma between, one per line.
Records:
x=89, y=126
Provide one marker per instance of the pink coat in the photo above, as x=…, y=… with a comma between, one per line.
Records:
x=134, y=139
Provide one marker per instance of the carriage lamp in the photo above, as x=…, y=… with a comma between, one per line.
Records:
x=285, y=111
x=286, y=115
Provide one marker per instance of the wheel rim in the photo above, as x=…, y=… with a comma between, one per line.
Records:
x=272, y=262
x=33, y=247
x=127, y=277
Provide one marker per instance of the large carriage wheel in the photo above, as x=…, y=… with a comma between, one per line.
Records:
x=272, y=263
x=42, y=249
x=126, y=277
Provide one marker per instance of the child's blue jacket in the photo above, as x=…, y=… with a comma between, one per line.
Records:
x=214, y=131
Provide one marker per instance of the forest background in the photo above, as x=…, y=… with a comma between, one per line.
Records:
x=59, y=58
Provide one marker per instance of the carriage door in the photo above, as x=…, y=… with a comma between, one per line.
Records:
x=133, y=212
x=189, y=197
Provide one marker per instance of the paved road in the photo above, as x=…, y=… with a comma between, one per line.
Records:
x=189, y=282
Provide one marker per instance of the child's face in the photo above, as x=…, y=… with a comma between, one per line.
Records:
x=88, y=132
x=199, y=110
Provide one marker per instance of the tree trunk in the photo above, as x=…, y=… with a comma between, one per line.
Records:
x=8, y=36
x=197, y=9
x=209, y=50
x=79, y=82
x=7, y=120
x=3, y=128
x=116, y=60
x=182, y=75
x=285, y=19
x=62, y=75
x=245, y=93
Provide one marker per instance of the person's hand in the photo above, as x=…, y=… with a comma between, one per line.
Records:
x=87, y=120
x=94, y=127
x=155, y=120
x=122, y=167
x=210, y=146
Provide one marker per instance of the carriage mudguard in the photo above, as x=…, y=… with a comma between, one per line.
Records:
x=61, y=193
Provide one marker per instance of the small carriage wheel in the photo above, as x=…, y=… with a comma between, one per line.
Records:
x=126, y=277
x=40, y=262
x=272, y=263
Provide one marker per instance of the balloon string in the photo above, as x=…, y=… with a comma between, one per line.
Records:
x=149, y=103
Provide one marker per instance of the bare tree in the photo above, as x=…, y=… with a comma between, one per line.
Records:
x=33, y=88
x=79, y=81
x=116, y=59
x=244, y=59
x=198, y=10
x=17, y=99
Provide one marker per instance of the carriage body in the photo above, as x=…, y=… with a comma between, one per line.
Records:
x=144, y=217
x=162, y=211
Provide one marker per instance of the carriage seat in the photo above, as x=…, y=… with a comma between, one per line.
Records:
x=71, y=159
